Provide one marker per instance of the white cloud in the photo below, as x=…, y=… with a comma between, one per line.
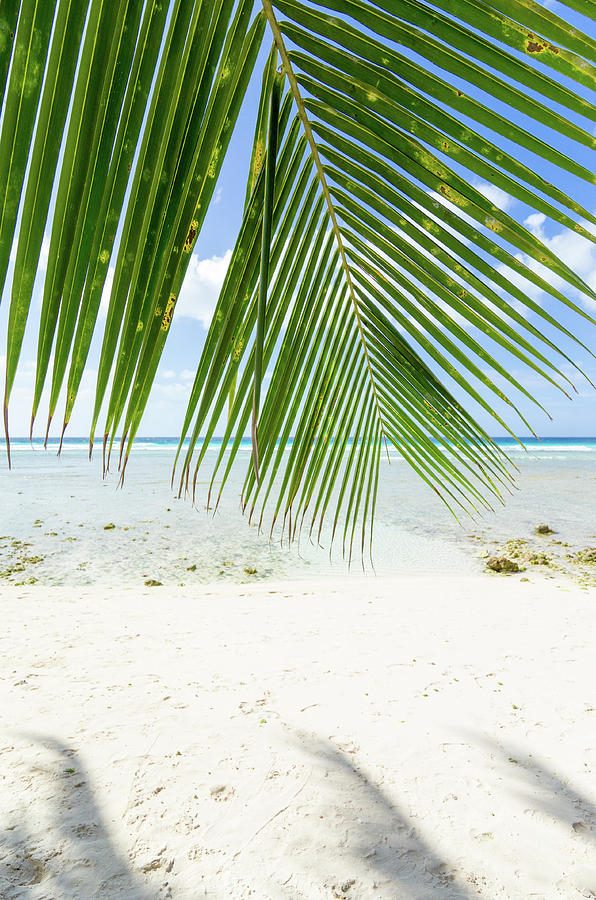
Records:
x=527, y=287
x=535, y=223
x=199, y=293
x=21, y=400
x=170, y=390
x=44, y=253
x=201, y=287
x=576, y=251
x=500, y=199
x=438, y=201
x=105, y=294
x=200, y=290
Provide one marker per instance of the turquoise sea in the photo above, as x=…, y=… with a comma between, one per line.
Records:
x=55, y=509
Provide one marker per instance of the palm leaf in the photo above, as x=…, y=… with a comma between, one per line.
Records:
x=369, y=272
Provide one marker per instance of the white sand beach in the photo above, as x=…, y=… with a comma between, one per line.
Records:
x=297, y=517
x=429, y=738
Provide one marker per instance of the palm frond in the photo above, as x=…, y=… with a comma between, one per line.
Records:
x=406, y=277
x=371, y=269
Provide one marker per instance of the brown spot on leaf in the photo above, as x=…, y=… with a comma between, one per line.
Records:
x=258, y=162
x=192, y=233
x=167, y=316
x=535, y=45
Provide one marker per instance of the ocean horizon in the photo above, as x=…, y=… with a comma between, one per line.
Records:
x=557, y=443
x=59, y=507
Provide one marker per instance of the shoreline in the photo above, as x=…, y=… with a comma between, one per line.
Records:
x=428, y=737
x=75, y=528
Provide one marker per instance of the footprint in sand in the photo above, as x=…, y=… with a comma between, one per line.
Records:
x=222, y=792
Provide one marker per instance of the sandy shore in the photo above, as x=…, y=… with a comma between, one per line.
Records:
x=416, y=738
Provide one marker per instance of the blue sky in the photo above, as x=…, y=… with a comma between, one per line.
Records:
x=167, y=406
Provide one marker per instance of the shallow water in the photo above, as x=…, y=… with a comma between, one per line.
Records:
x=56, y=509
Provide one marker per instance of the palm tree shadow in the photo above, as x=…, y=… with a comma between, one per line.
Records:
x=381, y=836
x=555, y=797
x=82, y=860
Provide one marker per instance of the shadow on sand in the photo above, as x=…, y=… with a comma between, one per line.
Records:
x=83, y=861
x=381, y=841
x=382, y=837
x=540, y=786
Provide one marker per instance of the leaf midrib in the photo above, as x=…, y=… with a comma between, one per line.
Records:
x=287, y=65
